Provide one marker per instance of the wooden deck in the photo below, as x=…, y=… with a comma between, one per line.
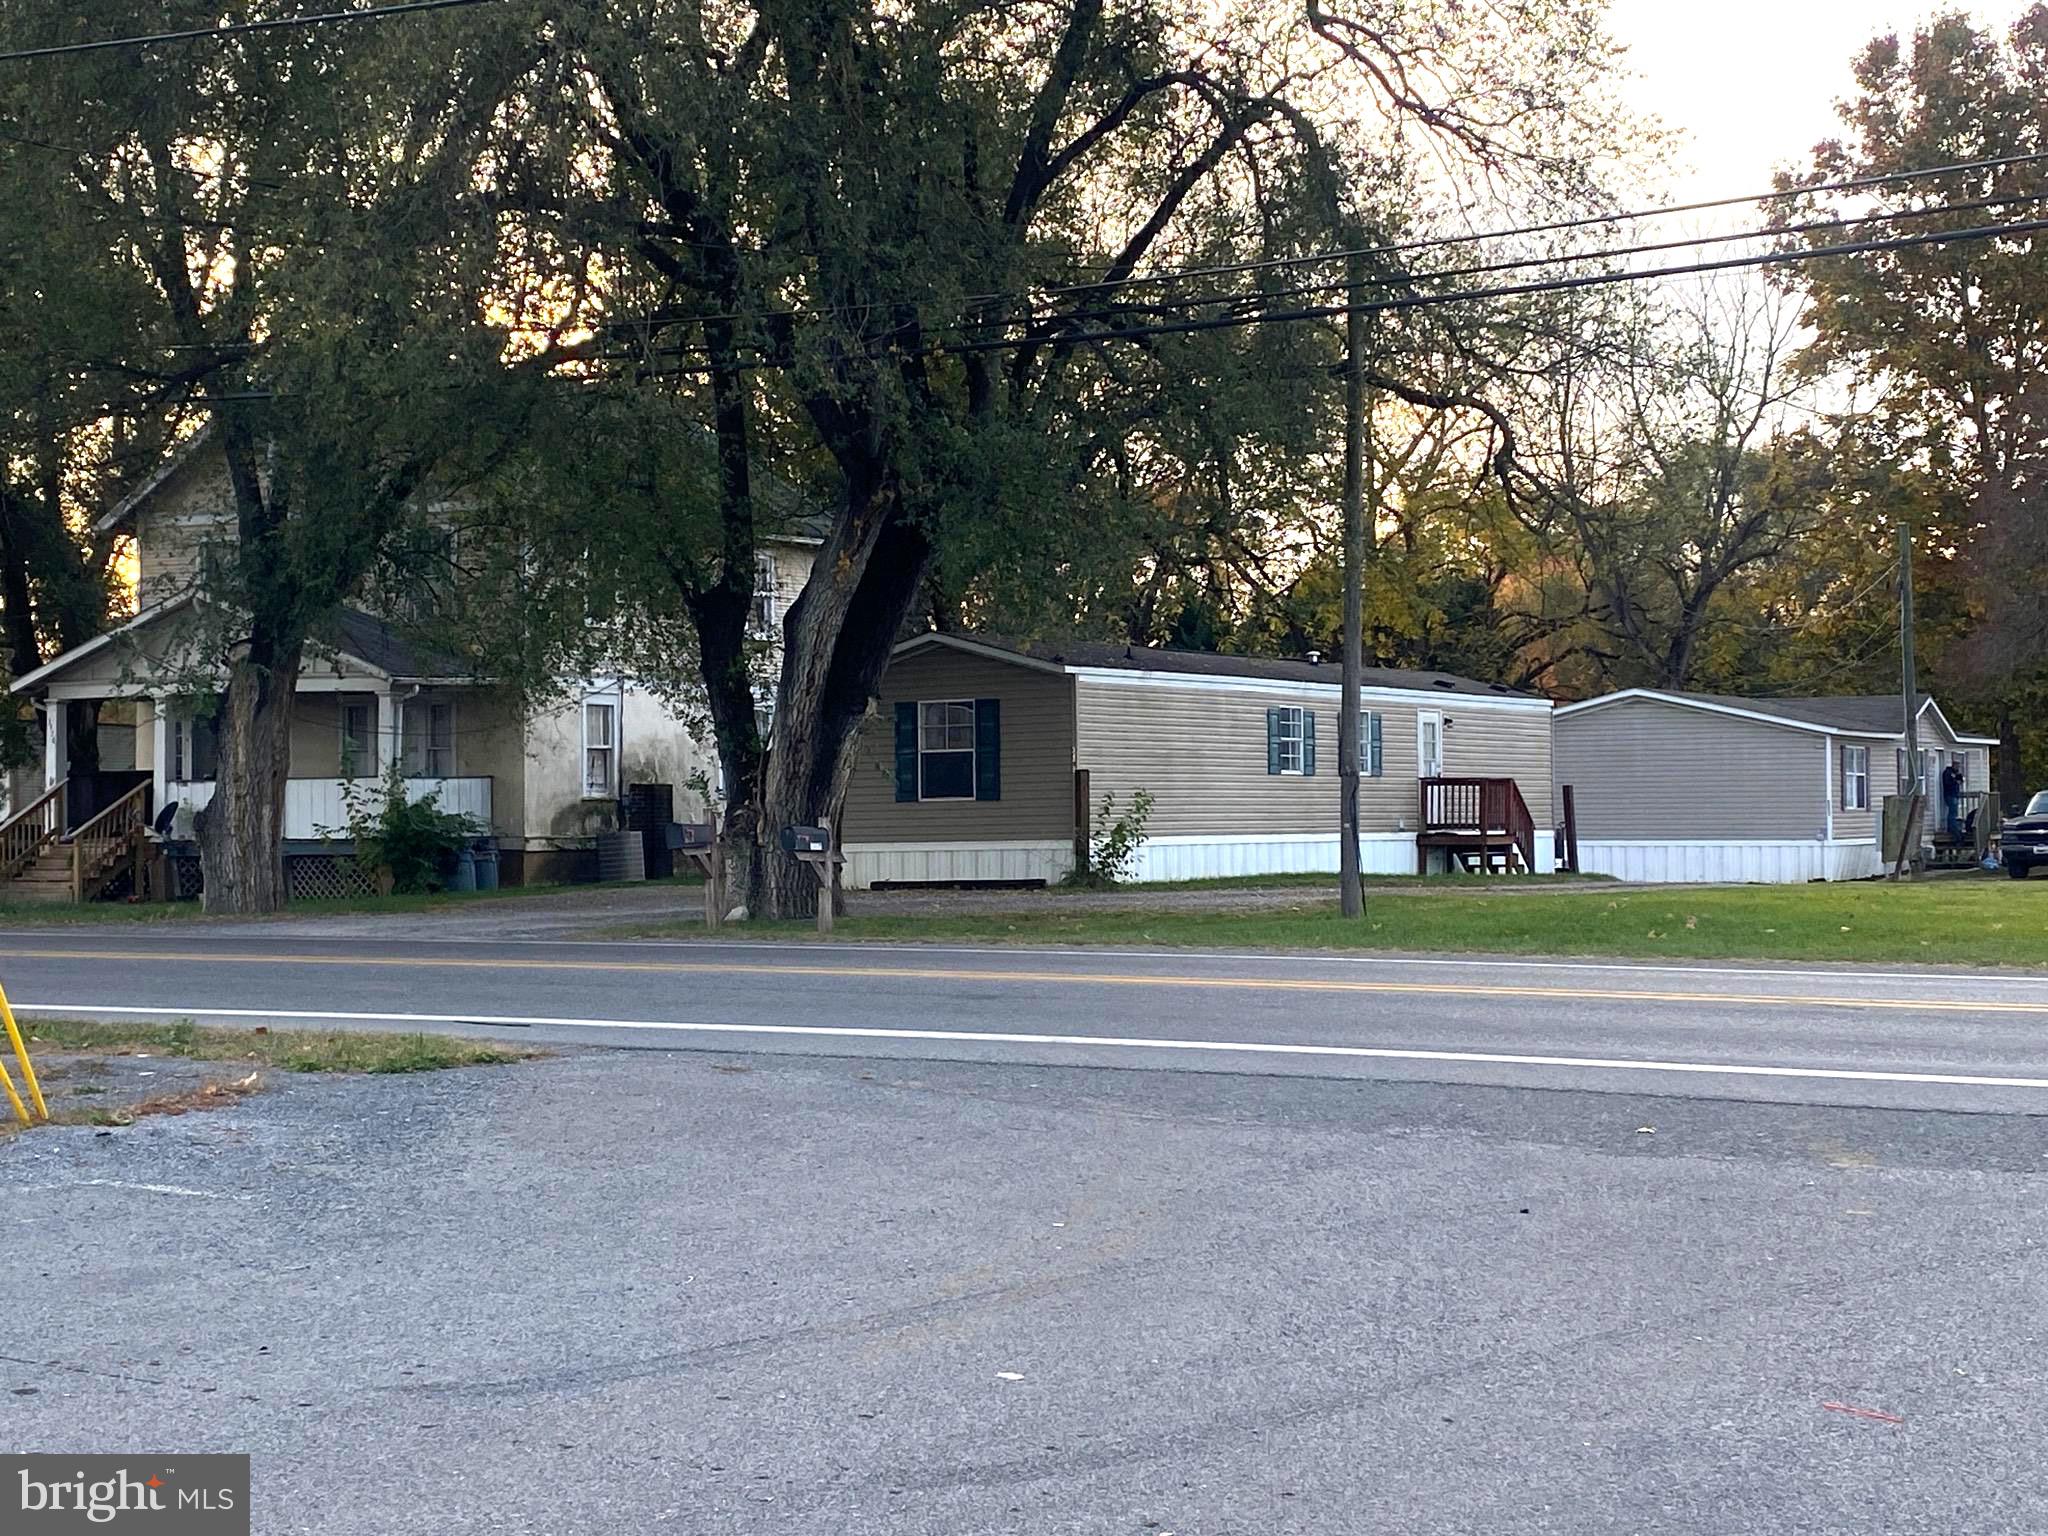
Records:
x=1482, y=824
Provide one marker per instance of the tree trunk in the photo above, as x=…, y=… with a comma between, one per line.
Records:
x=241, y=833
x=839, y=636
x=2012, y=772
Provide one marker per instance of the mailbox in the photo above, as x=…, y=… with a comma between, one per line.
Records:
x=689, y=836
x=806, y=840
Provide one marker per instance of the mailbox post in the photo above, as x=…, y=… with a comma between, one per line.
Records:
x=813, y=845
x=698, y=842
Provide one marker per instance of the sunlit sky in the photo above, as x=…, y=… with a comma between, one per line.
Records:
x=1753, y=82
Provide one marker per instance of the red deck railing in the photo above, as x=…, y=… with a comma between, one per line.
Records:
x=1485, y=809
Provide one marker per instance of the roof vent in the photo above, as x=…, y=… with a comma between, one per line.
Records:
x=1315, y=658
x=1500, y=687
x=1441, y=682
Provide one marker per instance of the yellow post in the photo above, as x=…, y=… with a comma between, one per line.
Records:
x=28, y=1071
x=20, y=1110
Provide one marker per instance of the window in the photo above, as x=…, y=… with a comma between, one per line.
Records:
x=600, y=749
x=1855, y=778
x=429, y=731
x=945, y=750
x=767, y=594
x=1371, y=764
x=1293, y=740
x=195, y=750
x=358, y=738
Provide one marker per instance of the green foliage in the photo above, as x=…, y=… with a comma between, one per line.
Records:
x=411, y=840
x=1114, y=840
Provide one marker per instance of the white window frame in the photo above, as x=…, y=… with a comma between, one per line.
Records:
x=606, y=787
x=363, y=763
x=1859, y=776
x=1365, y=768
x=183, y=754
x=1423, y=767
x=422, y=741
x=767, y=592
x=948, y=726
x=1290, y=732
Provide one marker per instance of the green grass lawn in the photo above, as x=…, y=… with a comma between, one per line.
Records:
x=39, y=913
x=1934, y=922
x=291, y=1050
x=1328, y=882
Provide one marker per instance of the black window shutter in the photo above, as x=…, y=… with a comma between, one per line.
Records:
x=1374, y=762
x=906, y=751
x=988, y=749
x=1272, y=741
x=1308, y=742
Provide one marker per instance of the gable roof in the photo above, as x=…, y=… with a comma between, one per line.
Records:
x=186, y=453
x=357, y=636
x=64, y=661
x=1846, y=714
x=366, y=638
x=1096, y=655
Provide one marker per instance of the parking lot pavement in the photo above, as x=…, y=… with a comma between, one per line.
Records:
x=651, y=1290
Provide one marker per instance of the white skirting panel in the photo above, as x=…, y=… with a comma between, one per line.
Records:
x=1704, y=862
x=1211, y=858
x=870, y=863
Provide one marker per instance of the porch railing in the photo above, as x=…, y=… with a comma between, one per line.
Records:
x=1481, y=808
x=25, y=836
x=98, y=847
x=315, y=808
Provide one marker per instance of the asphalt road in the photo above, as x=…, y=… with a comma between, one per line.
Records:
x=1886, y=1038
x=970, y=1269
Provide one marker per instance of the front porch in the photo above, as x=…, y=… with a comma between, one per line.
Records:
x=317, y=809
x=1480, y=825
x=363, y=708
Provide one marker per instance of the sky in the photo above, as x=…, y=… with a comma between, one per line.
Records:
x=1753, y=82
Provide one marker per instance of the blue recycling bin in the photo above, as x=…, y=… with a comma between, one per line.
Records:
x=464, y=876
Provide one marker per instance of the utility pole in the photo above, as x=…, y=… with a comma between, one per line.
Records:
x=1350, y=889
x=1909, y=695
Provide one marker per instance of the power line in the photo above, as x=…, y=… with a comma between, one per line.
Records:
x=1437, y=300
x=274, y=24
x=1439, y=242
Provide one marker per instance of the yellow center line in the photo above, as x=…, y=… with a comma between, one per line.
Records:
x=1059, y=978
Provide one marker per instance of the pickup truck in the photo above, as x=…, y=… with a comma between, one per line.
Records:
x=2023, y=839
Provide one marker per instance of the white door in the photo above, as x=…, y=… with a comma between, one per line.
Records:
x=1429, y=744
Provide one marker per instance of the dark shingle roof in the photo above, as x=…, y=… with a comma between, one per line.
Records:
x=370, y=639
x=1139, y=658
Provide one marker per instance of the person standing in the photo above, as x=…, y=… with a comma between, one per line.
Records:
x=1952, y=800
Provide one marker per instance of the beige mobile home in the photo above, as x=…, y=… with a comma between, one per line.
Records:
x=1704, y=787
x=968, y=769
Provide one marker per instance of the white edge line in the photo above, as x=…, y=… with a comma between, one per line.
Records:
x=1100, y=1042
x=1844, y=971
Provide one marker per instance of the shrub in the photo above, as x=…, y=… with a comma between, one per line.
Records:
x=413, y=840
x=1114, y=841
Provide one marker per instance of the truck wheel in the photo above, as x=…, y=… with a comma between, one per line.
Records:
x=2017, y=868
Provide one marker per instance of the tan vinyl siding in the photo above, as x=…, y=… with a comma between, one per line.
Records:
x=194, y=508
x=1645, y=770
x=1037, y=756
x=1497, y=743
x=1884, y=776
x=1201, y=753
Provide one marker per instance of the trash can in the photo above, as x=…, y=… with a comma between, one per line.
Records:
x=464, y=876
x=487, y=864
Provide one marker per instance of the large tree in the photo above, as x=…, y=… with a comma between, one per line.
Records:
x=884, y=242
x=301, y=228
x=1953, y=339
